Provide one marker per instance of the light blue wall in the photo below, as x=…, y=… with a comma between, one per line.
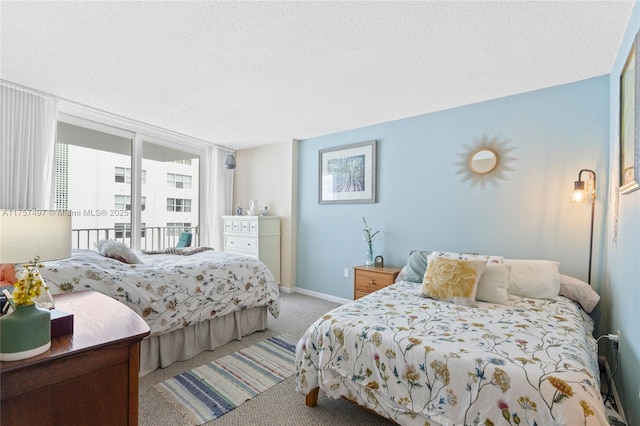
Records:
x=422, y=203
x=621, y=297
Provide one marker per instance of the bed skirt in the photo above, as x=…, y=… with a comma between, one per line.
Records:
x=180, y=345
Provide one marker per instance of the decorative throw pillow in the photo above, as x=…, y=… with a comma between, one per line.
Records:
x=415, y=268
x=579, y=291
x=538, y=279
x=418, y=260
x=117, y=250
x=452, y=280
x=7, y=274
x=494, y=284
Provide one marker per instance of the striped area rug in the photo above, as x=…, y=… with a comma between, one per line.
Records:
x=211, y=390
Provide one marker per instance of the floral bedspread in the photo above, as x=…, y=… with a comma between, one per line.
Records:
x=170, y=291
x=420, y=361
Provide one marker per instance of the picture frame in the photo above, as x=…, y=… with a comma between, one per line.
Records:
x=630, y=121
x=347, y=174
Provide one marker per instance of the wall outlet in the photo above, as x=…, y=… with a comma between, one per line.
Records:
x=346, y=272
x=619, y=342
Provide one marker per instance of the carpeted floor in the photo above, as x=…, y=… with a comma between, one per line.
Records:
x=280, y=405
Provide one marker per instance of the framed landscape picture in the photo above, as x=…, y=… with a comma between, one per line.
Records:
x=630, y=121
x=347, y=174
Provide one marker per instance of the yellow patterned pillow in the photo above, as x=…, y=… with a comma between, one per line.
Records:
x=453, y=280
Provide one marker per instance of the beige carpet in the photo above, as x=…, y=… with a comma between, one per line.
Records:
x=280, y=405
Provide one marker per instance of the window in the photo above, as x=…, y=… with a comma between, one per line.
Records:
x=123, y=202
x=178, y=181
x=178, y=205
x=95, y=161
x=123, y=230
x=123, y=175
x=174, y=229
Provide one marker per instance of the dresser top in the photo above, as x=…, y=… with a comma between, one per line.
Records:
x=98, y=321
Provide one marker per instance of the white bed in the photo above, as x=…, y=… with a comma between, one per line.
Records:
x=418, y=360
x=191, y=302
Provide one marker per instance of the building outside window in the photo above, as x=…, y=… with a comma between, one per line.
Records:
x=178, y=205
x=123, y=175
x=123, y=202
x=175, y=228
x=123, y=230
x=178, y=181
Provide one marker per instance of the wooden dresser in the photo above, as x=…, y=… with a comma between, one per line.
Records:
x=368, y=279
x=89, y=377
x=255, y=236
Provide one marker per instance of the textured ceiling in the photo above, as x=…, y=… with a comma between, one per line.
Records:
x=243, y=74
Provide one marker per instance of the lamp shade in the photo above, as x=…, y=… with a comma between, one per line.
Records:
x=25, y=234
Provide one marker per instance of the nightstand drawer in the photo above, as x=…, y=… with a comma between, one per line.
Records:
x=368, y=279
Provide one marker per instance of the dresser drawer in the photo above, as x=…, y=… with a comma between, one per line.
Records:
x=244, y=243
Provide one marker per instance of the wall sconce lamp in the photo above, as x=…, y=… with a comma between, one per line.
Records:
x=230, y=162
x=585, y=192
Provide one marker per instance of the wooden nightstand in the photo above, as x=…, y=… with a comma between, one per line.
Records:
x=88, y=377
x=368, y=279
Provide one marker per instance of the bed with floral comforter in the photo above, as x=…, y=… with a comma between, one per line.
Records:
x=420, y=361
x=170, y=291
x=191, y=303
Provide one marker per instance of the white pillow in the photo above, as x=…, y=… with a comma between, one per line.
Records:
x=494, y=284
x=117, y=250
x=466, y=256
x=538, y=279
x=579, y=291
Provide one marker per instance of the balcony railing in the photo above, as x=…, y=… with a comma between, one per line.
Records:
x=153, y=237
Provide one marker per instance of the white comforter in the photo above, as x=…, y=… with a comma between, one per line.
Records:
x=170, y=291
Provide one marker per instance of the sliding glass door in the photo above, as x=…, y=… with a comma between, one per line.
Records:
x=122, y=186
x=172, y=195
x=93, y=182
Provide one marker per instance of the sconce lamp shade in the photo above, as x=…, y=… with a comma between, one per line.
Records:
x=25, y=234
x=581, y=191
x=230, y=163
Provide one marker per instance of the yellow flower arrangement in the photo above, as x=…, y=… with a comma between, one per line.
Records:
x=29, y=284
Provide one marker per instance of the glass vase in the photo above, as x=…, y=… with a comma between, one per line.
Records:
x=369, y=259
x=45, y=300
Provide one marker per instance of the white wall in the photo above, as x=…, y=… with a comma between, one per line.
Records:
x=264, y=174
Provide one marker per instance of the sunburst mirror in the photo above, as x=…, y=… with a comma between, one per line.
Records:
x=485, y=161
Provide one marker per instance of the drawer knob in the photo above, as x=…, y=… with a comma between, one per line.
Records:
x=371, y=282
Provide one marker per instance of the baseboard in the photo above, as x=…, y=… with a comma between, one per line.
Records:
x=287, y=289
x=321, y=295
x=611, y=414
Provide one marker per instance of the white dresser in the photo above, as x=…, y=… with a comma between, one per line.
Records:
x=255, y=236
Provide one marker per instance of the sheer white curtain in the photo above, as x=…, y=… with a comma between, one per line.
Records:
x=27, y=152
x=216, y=198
